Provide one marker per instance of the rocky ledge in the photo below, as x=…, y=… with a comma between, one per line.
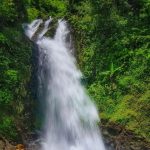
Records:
x=116, y=137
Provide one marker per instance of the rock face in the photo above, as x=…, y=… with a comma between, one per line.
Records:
x=2, y=145
x=5, y=145
x=117, y=137
x=34, y=145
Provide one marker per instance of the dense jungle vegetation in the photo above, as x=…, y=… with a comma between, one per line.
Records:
x=112, y=39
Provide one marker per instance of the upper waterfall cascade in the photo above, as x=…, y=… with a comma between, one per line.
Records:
x=71, y=118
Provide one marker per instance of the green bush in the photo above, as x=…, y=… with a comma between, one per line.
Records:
x=7, y=11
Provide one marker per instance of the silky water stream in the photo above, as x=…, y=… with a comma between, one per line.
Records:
x=71, y=118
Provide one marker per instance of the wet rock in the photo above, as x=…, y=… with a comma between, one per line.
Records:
x=5, y=145
x=116, y=137
x=20, y=147
x=2, y=145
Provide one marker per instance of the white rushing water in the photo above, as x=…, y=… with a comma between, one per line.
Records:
x=70, y=117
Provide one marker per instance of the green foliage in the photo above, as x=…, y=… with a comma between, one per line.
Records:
x=46, y=8
x=7, y=127
x=33, y=13
x=113, y=51
x=5, y=97
x=11, y=75
x=7, y=11
x=123, y=113
x=98, y=92
x=15, y=55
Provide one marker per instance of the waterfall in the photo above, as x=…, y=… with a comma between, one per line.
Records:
x=71, y=118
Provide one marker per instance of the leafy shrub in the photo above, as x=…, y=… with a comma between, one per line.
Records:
x=7, y=11
x=32, y=13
